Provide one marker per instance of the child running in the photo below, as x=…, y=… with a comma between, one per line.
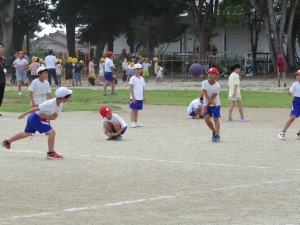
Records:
x=49, y=110
x=295, y=109
x=112, y=125
x=211, y=103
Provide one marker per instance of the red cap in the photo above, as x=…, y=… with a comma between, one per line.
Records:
x=213, y=70
x=298, y=72
x=202, y=95
x=109, y=54
x=20, y=52
x=279, y=57
x=104, y=110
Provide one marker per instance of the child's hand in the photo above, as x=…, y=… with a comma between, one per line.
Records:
x=21, y=116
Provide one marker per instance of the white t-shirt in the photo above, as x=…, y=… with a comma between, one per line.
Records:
x=211, y=89
x=39, y=90
x=195, y=104
x=114, y=117
x=50, y=107
x=138, y=87
x=20, y=65
x=155, y=67
x=234, y=79
x=125, y=65
x=50, y=61
x=295, y=89
x=108, y=64
x=146, y=66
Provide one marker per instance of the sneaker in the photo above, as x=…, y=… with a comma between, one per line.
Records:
x=19, y=93
x=244, y=119
x=113, y=94
x=139, y=124
x=112, y=138
x=297, y=137
x=54, y=155
x=119, y=137
x=229, y=119
x=104, y=94
x=133, y=125
x=281, y=135
x=216, y=138
x=5, y=144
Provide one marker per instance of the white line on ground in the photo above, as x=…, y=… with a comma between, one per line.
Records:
x=165, y=161
x=137, y=201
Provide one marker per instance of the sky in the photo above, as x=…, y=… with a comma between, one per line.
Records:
x=48, y=29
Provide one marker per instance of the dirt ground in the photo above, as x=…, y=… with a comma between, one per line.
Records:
x=167, y=172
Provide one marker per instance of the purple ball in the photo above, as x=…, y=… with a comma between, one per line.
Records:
x=196, y=70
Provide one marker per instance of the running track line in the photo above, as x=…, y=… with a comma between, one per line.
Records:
x=137, y=201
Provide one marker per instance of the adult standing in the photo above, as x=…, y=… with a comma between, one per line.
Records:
x=21, y=65
x=109, y=73
x=50, y=62
x=2, y=73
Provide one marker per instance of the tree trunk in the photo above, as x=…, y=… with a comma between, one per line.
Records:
x=70, y=29
x=6, y=25
x=100, y=48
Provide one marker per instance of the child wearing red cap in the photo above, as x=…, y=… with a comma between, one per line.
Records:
x=211, y=102
x=112, y=125
x=295, y=109
x=281, y=70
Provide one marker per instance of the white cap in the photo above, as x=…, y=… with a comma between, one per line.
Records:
x=62, y=92
x=41, y=69
x=137, y=66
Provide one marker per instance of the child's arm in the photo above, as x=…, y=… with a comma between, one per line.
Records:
x=31, y=99
x=234, y=90
x=45, y=117
x=144, y=95
x=49, y=96
x=132, y=93
x=28, y=112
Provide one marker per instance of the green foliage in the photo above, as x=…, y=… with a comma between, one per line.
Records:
x=92, y=100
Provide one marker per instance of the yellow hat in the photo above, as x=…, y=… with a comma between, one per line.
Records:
x=146, y=58
x=70, y=59
x=131, y=64
x=81, y=62
x=102, y=60
x=74, y=60
x=155, y=59
x=34, y=59
x=41, y=60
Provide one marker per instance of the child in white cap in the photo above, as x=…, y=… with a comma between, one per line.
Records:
x=49, y=110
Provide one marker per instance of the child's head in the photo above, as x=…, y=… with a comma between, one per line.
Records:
x=42, y=73
x=63, y=94
x=212, y=73
x=298, y=75
x=279, y=57
x=201, y=98
x=137, y=69
x=109, y=54
x=236, y=67
x=34, y=59
x=106, y=112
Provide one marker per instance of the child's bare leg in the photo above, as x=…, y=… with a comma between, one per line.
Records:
x=289, y=122
x=105, y=86
x=51, y=139
x=231, y=106
x=217, y=125
x=240, y=104
x=117, y=126
x=209, y=123
x=19, y=136
x=134, y=115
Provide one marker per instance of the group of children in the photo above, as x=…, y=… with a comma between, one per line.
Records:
x=113, y=126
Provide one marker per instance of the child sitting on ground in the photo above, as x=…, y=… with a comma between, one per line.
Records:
x=195, y=108
x=112, y=125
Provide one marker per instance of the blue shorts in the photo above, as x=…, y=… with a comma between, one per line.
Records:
x=114, y=131
x=34, y=124
x=295, y=109
x=214, y=111
x=192, y=113
x=108, y=76
x=137, y=105
x=21, y=76
x=77, y=77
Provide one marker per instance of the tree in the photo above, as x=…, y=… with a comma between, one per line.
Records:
x=27, y=16
x=203, y=16
x=233, y=12
x=6, y=24
x=275, y=16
